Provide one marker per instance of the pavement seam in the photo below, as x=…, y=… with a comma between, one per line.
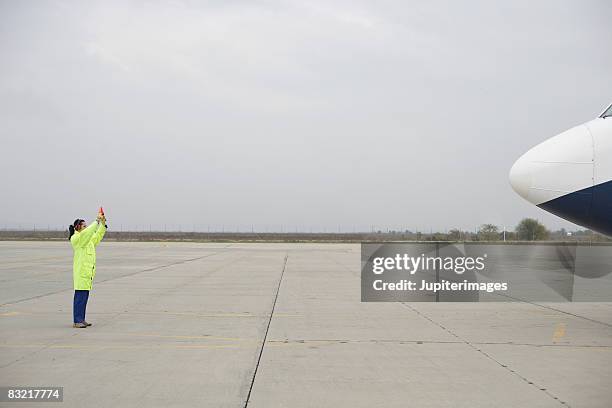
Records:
x=555, y=309
x=173, y=288
x=111, y=279
x=485, y=343
x=570, y=314
x=263, y=343
x=471, y=345
x=345, y=267
x=64, y=290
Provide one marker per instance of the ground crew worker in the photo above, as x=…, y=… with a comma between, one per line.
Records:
x=84, y=240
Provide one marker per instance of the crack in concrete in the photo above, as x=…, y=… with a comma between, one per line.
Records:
x=487, y=355
x=263, y=343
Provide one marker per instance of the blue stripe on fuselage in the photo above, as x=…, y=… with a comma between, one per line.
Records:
x=590, y=207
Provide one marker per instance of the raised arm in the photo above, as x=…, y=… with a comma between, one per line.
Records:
x=99, y=233
x=82, y=238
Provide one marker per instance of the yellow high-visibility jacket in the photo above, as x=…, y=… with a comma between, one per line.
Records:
x=84, y=264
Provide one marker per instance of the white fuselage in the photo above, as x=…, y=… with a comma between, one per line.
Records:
x=570, y=174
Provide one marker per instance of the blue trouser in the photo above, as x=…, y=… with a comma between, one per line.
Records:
x=80, y=303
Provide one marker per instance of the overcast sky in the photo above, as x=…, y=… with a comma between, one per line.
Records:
x=314, y=114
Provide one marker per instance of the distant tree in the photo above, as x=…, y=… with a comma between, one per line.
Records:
x=511, y=236
x=454, y=234
x=439, y=236
x=488, y=232
x=530, y=229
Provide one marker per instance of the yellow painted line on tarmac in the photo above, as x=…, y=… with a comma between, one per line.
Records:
x=197, y=314
x=126, y=346
x=220, y=314
x=306, y=343
x=194, y=314
x=201, y=337
x=183, y=346
x=559, y=332
x=272, y=343
x=31, y=260
x=173, y=346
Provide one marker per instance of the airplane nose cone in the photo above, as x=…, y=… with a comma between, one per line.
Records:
x=520, y=178
x=558, y=166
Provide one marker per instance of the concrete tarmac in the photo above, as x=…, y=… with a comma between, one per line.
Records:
x=281, y=325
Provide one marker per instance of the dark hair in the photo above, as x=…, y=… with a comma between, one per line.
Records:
x=71, y=228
